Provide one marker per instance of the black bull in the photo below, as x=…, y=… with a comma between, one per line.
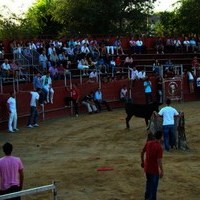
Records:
x=140, y=110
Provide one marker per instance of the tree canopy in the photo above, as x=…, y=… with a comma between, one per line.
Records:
x=80, y=17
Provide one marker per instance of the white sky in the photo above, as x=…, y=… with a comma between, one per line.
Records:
x=20, y=6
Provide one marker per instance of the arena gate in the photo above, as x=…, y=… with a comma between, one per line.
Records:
x=155, y=124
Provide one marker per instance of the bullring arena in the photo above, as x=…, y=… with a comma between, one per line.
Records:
x=95, y=156
x=71, y=150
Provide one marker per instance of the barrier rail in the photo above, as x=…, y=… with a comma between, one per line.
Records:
x=32, y=191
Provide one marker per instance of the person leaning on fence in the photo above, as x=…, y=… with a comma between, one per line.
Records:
x=124, y=94
x=11, y=172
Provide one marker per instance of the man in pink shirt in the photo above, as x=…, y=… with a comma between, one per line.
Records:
x=11, y=172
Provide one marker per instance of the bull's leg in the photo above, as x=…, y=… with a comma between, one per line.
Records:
x=146, y=121
x=129, y=116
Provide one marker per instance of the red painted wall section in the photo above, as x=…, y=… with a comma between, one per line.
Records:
x=110, y=92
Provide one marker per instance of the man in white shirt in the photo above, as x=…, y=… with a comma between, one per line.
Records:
x=168, y=113
x=11, y=105
x=33, y=118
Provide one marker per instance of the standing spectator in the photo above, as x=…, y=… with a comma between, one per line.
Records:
x=98, y=99
x=148, y=90
x=124, y=94
x=74, y=98
x=11, y=105
x=152, y=165
x=168, y=113
x=11, y=172
x=33, y=118
x=47, y=86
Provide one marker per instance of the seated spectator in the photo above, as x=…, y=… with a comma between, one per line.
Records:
x=141, y=74
x=133, y=73
x=159, y=45
x=186, y=44
x=156, y=67
x=6, y=69
x=84, y=49
x=43, y=60
x=109, y=46
x=15, y=69
x=124, y=94
x=94, y=50
x=83, y=65
x=61, y=71
x=128, y=62
x=193, y=44
x=98, y=99
x=89, y=103
x=53, y=72
x=101, y=65
x=177, y=45
x=54, y=57
x=169, y=47
x=118, y=46
x=139, y=46
x=132, y=44
x=93, y=76
x=118, y=63
x=47, y=86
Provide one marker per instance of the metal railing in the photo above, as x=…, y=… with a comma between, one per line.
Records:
x=32, y=191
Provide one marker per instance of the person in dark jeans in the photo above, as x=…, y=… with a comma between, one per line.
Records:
x=152, y=165
x=74, y=98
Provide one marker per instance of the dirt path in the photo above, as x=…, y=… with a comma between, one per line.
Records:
x=69, y=151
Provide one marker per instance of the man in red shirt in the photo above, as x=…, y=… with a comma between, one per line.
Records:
x=152, y=165
x=74, y=98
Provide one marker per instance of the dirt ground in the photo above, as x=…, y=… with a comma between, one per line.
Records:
x=70, y=150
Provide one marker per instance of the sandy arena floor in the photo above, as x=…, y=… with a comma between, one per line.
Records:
x=70, y=150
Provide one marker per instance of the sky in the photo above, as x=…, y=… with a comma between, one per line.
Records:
x=20, y=6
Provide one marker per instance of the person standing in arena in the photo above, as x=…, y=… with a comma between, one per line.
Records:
x=74, y=98
x=11, y=105
x=152, y=164
x=168, y=113
x=11, y=172
x=33, y=118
